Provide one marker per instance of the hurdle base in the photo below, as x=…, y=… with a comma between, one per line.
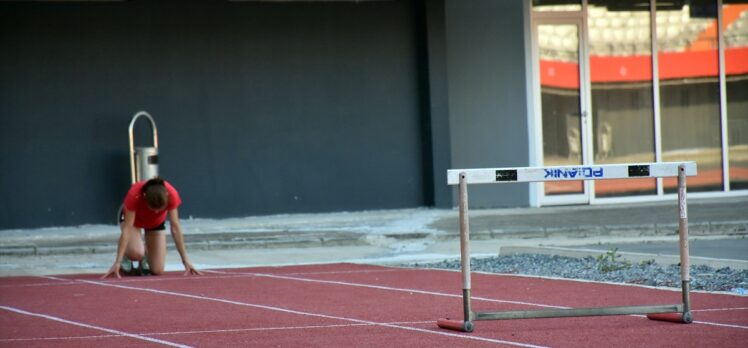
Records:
x=680, y=318
x=456, y=325
x=578, y=312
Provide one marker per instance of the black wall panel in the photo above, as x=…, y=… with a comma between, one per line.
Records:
x=261, y=107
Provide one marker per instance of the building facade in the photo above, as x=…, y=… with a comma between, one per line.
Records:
x=273, y=107
x=640, y=81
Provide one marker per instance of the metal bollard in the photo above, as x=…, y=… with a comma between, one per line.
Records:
x=143, y=160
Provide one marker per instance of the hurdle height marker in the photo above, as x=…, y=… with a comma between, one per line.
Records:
x=676, y=313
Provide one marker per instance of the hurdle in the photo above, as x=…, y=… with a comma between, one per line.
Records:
x=680, y=313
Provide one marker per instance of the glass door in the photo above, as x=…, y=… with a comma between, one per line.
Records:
x=563, y=98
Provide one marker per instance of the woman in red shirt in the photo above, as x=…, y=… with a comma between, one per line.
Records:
x=146, y=207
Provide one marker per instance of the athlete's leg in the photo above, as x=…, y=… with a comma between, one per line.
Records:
x=155, y=242
x=135, y=249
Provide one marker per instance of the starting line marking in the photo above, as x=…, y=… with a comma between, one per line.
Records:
x=115, y=332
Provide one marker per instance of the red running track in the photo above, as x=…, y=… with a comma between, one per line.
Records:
x=342, y=305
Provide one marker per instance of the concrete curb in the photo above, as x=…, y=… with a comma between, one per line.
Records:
x=730, y=228
x=306, y=239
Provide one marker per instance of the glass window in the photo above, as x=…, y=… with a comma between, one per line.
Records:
x=689, y=90
x=620, y=52
x=556, y=5
x=558, y=45
x=735, y=34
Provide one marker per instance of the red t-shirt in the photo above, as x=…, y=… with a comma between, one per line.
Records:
x=144, y=216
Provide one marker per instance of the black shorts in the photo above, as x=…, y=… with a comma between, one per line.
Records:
x=160, y=227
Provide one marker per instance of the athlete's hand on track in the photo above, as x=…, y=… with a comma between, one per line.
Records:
x=190, y=269
x=114, y=271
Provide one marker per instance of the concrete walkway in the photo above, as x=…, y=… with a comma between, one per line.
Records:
x=390, y=236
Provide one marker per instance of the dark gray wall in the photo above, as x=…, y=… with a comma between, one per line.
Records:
x=262, y=107
x=487, y=93
x=434, y=99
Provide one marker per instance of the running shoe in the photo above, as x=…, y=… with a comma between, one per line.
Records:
x=125, y=266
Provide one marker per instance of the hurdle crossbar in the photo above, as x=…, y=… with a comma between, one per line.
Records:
x=680, y=312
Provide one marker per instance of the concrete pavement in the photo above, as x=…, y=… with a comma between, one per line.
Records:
x=389, y=236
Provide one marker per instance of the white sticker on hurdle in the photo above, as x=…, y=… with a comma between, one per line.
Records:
x=568, y=173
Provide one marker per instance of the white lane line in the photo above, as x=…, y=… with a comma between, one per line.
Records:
x=50, y=277
x=236, y=274
x=701, y=322
x=225, y=275
x=111, y=331
x=720, y=309
x=13, y=286
x=306, y=327
x=302, y=327
x=62, y=338
x=64, y=281
x=380, y=287
x=231, y=274
x=318, y=315
x=722, y=325
x=345, y=272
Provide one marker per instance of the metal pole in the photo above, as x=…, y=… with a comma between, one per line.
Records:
x=465, y=249
x=683, y=235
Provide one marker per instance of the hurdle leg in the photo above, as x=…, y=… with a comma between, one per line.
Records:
x=466, y=324
x=685, y=277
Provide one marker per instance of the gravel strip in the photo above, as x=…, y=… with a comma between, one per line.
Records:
x=606, y=267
